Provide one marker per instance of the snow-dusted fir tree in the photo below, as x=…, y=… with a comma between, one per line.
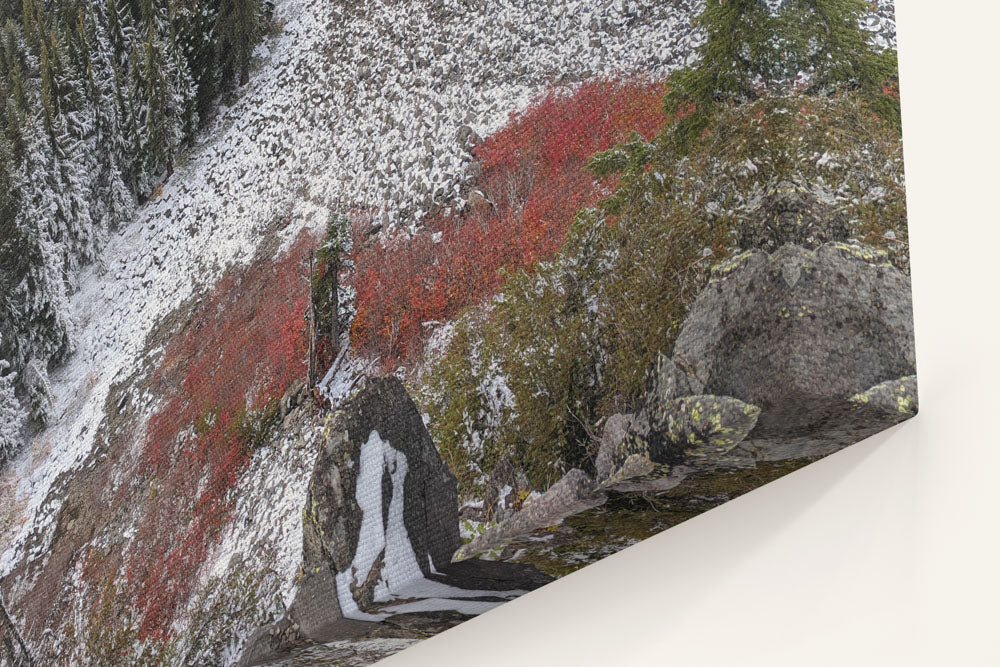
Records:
x=240, y=24
x=164, y=92
x=12, y=415
x=183, y=88
x=35, y=263
x=193, y=23
x=9, y=248
x=35, y=378
x=66, y=167
x=112, y=202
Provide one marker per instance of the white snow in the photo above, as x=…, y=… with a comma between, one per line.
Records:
x=341, y=113
x=401, y=577
x=351, y=107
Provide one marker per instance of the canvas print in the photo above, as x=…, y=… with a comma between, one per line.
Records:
x=326, y=326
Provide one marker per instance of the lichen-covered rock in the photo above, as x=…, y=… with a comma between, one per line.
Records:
x=699, y=426
x=792, y=211
x=894, y=397
x=677, y=438
x=797, y=332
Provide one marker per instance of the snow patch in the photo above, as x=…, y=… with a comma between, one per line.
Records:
x=400, y=577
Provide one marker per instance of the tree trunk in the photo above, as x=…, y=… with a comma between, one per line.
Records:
x=333, y=266
x=311, y=325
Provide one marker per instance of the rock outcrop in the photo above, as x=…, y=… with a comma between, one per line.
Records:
x=792, y=211
x=790, y=352
x=798, y=330
x=380, y=527
x=378, y=451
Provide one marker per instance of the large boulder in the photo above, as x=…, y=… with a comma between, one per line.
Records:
x=784, y=355
x=378, y=450
x=798, y=332
x=380, y=526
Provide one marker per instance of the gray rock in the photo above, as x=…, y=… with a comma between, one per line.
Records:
x=678, y=437
x=791, y=211
x=893, y=397
x=473, y=170
x=333, y=520
x=797, y=332
x=616, y=428
x=333, y=514
x=378, y=414
x=476, y=199
x=574, y=493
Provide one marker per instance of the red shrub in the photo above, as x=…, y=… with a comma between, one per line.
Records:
x=534, y=178
x=243, y=349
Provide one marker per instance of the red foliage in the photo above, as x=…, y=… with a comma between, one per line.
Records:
x=891, y=89
x=535, y=182
x=244, y=348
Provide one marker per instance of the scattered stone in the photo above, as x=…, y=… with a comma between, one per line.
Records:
x=894, y=397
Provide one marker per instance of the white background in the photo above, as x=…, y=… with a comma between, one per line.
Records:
x=887, y=553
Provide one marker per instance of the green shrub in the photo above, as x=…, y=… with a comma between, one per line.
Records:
x=570, y=342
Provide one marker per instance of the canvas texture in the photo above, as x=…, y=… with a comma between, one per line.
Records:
x=328, y=326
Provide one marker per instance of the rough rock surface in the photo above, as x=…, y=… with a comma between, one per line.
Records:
x=788, y=353
x=333, y=515
x=574, y=493
x=798, y=331
x=380, y=526
x=893, y=397
x=792, y=211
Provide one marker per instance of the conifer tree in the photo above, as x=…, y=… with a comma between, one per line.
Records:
x=67, y=163
x=326, y=284
x=240, y=24
x=194, y=22
x=753, y=46
x=34, y=262
x=12, y=415
x=111, y=202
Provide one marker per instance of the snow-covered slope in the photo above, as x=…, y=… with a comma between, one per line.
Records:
x=352, y=104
